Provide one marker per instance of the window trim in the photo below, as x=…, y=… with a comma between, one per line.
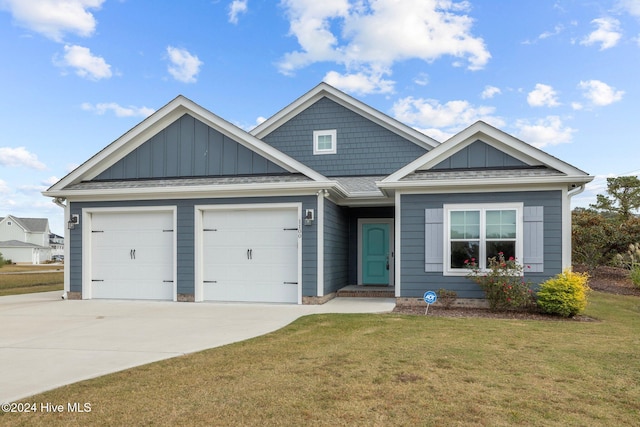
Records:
x=482, y=207
x=334, y=143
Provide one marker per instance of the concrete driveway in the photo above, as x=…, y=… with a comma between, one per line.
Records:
x=46, y=342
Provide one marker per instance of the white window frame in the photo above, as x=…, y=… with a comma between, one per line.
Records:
x=483, y=208
x=334, y=143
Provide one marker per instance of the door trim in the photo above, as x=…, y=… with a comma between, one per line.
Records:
x=389, y=221
x=199, y=211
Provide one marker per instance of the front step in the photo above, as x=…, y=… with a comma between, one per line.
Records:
x=362, y=291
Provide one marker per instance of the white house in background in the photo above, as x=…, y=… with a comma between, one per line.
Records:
x=25, y=240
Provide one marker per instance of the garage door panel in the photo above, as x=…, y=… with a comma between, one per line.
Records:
x=250, y=255
x=132, y=255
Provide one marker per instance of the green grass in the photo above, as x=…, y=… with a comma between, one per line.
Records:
x=24, y=279
x=388, y=369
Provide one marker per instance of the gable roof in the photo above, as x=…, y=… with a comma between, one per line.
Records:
x=158, y=121
x=31, y=225
x=542, y=167
x=328, y=91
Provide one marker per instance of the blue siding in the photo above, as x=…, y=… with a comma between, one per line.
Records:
x=363, y=147
x=415, y=281
x=336, y=247
x=189, y=148
x=185, y=238
x=478, y=155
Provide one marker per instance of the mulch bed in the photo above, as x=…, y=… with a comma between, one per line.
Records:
x=604, y=279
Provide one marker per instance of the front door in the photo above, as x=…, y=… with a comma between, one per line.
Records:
x=375, y=262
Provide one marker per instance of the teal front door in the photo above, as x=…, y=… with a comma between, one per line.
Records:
x=375, y=254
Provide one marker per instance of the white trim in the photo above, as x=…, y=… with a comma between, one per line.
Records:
x=320, y=244
x=87, y=215
x=566, y=229
x=390, y=221
x=398, y=243
x=334, y=142
x=482, y=207
x=198, y=239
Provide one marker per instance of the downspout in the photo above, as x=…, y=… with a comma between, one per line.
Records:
x=568, y=228
x=59, y=201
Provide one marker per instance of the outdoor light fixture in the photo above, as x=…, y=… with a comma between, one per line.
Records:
x=308, y=217
x=75, y=219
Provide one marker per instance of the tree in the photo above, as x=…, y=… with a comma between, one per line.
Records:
x=623, y=198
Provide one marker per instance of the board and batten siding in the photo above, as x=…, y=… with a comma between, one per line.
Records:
x=419, y=211
x=363, y=147
x=479, y=155
x=188, y=147
x=185, y=257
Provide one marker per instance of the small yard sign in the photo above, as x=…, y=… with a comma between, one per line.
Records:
x=430, y=297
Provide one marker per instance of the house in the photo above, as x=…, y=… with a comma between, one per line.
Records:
x=56, y=243
x=328, y=192
x=24, y=240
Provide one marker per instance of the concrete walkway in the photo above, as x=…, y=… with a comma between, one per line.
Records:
x=47, y=342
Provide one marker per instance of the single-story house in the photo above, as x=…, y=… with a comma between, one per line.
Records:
x=25, y=240
x=326, y=193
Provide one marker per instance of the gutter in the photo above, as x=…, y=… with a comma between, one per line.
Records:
x=59, y=202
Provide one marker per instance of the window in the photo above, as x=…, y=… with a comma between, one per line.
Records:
x=324, y=142
x=479, y=232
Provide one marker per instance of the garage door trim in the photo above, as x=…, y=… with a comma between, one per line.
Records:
x=87, y=215
x=199, y=238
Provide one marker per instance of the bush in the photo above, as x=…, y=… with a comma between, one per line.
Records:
x=631, y=261
x=635, y=276
x=446, y=297
x=503, y=284
x=565, y=294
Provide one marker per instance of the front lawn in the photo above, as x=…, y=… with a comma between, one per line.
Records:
x=26, y=279
x=389, y=369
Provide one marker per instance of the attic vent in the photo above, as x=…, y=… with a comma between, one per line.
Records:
x=8, y=222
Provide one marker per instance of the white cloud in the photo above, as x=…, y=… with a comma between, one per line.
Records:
x=490, y=91
x=632, y=7
x=373, y=35
x=50, y=181
x=440, y=121
x=360, y=83
x=118, y=110
x=19, y=156
x=542, y=96
x=236, y=8
x=54, y=18
x=600, y=93
x=184, y=66
x=4, y=187
x=607, y=34
x=421, y=79
x=85, y=63
x=543, y=132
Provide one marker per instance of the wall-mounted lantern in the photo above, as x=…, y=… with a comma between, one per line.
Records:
x=75, y=219
x=309, y=217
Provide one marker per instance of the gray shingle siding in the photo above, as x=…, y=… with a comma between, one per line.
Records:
x=189, y=148
x=415, y=281
x=363, y=147
x=185, y=238
x=479, y=155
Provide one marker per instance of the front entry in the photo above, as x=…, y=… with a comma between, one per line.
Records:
x=375, y=258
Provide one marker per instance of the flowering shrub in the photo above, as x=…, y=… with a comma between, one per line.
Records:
x=565, y=294
x=503, y=283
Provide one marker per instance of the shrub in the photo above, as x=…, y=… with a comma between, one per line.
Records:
x=446, y=297
x=503, y=284
x=565, y=294
x=631, y=261
x=635, y=276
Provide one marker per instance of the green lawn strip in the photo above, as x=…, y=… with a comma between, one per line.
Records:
x=14, y=284
x=388, y=369
x=18, y=268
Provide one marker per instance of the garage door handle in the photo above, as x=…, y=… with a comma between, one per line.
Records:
x=249, y=253
x=289, y=283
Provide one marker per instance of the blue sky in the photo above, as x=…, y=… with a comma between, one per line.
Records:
x=561, y=75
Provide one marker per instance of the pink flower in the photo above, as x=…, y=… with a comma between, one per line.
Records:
x=511, y=258
x=466, y=261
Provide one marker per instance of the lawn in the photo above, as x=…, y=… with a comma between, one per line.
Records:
x=24, y=279
x=388, y=369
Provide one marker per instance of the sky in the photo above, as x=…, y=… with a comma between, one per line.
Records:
x=562, y=75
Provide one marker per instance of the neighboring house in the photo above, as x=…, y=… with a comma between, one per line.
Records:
x=25, y=240
x=56, y=243
x=326, y=193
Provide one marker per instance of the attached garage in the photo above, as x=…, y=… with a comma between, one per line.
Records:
x=131, y=256
x=249, y=254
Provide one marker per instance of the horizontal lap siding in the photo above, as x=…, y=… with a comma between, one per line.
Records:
x=336, y=247
x=185, y=238
x=415, y=281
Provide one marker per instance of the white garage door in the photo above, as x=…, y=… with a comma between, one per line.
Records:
x=132, y=255
x=250, y=255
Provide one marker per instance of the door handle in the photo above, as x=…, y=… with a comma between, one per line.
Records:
x=387, y=262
